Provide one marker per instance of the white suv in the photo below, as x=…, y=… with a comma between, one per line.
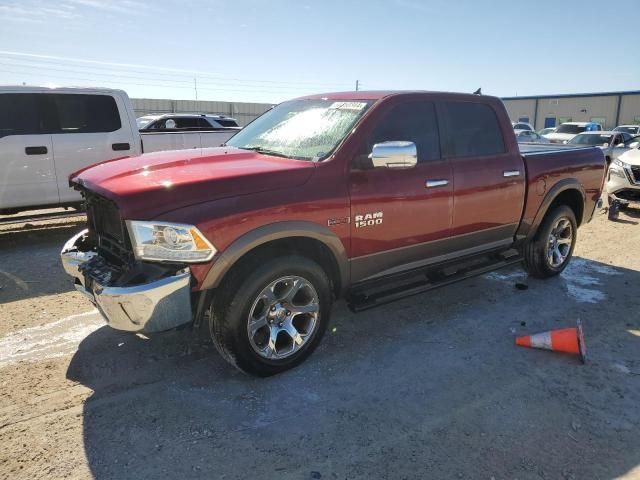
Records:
x=623, y=180
x=186, y=121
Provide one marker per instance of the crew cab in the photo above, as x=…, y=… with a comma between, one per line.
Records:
x=48, y=133
x=369, y=196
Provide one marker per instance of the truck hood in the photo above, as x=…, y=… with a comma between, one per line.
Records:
x=148, y=185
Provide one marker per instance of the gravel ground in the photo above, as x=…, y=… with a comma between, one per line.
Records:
x=428, y=387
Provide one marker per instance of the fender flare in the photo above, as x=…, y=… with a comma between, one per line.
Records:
x=552, y=194
x=276, y=231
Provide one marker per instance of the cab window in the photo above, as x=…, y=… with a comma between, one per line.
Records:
x=472, y=129
x=411, y=122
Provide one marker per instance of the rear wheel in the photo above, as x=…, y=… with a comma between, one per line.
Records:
x=550, y=250
x=271, y=314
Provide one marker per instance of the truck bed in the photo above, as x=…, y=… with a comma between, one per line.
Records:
x=547, y=165
x=527, y=149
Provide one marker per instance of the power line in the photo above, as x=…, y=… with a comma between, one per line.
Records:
x=35, y=71
x=75, y=69
x=175, y=72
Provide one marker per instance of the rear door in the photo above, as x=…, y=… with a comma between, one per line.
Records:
x=400, y=218
x=489, y=180
x=91, y=128
x=27, y=172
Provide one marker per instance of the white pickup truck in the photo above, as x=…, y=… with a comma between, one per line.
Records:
x=48, y=133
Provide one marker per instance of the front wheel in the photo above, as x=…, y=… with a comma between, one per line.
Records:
x=550, y=250
x=270, y=316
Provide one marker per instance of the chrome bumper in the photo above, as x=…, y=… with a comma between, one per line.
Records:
x=150, y=307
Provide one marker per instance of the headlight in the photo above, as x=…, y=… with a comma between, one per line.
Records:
x=619, y=163
x=617, y=168
x=169, y=242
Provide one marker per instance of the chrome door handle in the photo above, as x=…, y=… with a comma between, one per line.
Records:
x=511, y=173
x=436, y=183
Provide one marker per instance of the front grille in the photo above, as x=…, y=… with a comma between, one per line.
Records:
x=108, y=229
x=104, y=218
x=636, y=173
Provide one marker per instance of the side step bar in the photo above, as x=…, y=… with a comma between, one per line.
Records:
x=375, y=293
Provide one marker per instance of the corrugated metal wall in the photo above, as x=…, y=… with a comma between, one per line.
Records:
x=610, y=110
x=242, y=112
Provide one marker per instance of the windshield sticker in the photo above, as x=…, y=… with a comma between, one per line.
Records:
x=347, y=106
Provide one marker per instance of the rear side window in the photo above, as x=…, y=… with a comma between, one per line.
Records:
x=86, y=113
x=472, y=130
x=188, y=122
x=19, y=114
x=412, y=122
x=227, y=123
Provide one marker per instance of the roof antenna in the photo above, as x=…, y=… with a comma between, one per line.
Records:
x=478, y=91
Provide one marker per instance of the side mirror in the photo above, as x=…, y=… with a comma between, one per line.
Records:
x=394, y=155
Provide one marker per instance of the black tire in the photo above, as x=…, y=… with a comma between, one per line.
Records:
x=234, y=302
x=536, y=261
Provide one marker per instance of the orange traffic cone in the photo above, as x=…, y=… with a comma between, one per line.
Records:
x=570, y=340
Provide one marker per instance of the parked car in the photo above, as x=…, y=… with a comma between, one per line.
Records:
x=546, y=131
x=319, y=198
x=630, y=129
x=146, y=120
x=522, y=126
x=612, y=144
x=568, y=130
x=45, y=134
x=623, y=179
x=188, y=121
x=528, y=136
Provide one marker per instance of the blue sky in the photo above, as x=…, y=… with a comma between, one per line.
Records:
x=268, y=51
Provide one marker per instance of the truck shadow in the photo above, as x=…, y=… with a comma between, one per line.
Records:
x=432, y=383
x=30, y=261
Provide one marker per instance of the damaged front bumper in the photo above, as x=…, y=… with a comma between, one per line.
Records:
x=623, y=184
x=155, y=306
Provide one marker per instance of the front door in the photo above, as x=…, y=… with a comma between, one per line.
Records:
x=400, y=217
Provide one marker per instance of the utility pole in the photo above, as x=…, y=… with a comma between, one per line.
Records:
x=357, y=85
x=195, y=86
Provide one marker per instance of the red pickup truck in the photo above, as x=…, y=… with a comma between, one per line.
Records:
x=369, y=196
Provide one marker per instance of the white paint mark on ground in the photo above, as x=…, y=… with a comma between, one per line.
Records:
x=582, y=279
x=50, y=340
x=506, y=277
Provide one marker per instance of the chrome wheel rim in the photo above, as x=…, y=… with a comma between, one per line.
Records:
x=283, y=317
x=560, y=240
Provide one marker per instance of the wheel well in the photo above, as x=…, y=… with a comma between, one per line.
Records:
x=573, y=199
x=303, y=246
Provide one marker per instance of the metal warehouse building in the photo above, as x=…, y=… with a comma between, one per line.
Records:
x=609, y=109
x=242, y=112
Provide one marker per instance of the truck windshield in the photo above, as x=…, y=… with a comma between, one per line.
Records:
x=566, y=128
x=588, y=139
x=301, y=129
